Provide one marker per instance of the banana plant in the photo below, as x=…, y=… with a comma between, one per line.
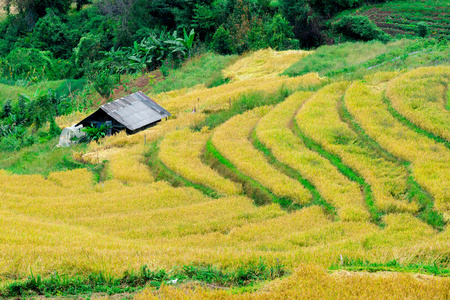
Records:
x=187, y=41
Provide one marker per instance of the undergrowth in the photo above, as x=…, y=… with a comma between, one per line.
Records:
x=358, y=265
x=129, y=282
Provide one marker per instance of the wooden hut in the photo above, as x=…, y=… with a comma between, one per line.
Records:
x=132, y=113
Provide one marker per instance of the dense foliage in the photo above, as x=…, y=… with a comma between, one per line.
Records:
x=73, y=40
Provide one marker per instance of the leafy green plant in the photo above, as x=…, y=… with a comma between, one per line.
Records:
x=221, y=41
x=95, y=133
x=187, y=41
x=104, y=83
x=360, y=28
x=133, y=281
x=422, y=29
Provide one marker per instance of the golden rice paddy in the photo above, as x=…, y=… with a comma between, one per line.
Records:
x=68, y=223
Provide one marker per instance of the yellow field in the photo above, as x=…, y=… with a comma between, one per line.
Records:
x=231, y=139
x=181, y=150
x=263, y=63
x=320, y=120
x=273, y=131
x=430, y=160
x=69, y=223
x=421, y=96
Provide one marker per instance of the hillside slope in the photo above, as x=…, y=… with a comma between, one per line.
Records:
x=272, y=187
x=400, y=18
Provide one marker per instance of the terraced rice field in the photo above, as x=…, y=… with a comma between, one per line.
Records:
x=334, y=173
x=400, y=18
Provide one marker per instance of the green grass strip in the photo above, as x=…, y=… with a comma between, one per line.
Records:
x=348, y=172
x=317, y=199
x=260, y=194
x=131, y=282
x=427, y=212
x=359, y=265
x=245, y=102
x=162, y=172
x=416, y=193
x=399, y=117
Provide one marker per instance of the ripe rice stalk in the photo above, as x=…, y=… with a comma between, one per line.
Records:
x=273, y=131
x=126, y=166
x=263, y=63
x=430, y=159
x=220, y=97
x=421, y=96
x=181, y=150
x=319, y=119
x=231, y=139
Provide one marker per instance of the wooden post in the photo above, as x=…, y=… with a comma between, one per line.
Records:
x=145, y=141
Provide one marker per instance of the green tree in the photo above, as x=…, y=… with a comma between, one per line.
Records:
x=281, y=34
x=87, y=52
x=37, y=8
x=295, y=11
x=422, y=29
x=221, y=41
x=51, y=34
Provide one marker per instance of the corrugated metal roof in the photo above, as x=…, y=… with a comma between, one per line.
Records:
x=135, y=111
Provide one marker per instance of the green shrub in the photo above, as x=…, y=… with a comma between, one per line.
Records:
x=221, y=41
x=87, y=51
x=281, y=36
x=50, y=34
x=360, y=28
x=104, y=83
x=95, y=133
x=422, y=29
x=29, y=64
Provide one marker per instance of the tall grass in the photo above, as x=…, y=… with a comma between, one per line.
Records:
x=205, y=69
x=342, y=58
x=355, y=60
x=12, y=92
x=40, y=158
